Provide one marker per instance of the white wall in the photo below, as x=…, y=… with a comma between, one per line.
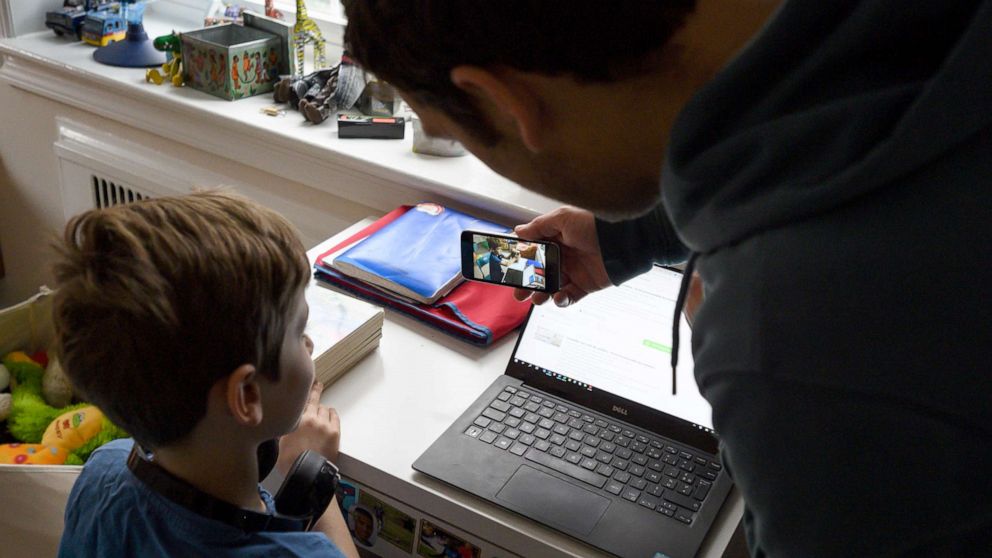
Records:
x=31, y=214
x=25, y=16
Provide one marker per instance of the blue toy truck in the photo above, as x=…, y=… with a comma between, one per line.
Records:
x=69, y=19
x=102, y=28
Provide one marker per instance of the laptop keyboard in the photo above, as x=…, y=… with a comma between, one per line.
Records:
x=650, y=472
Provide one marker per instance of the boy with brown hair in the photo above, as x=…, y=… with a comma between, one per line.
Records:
x=183, y=319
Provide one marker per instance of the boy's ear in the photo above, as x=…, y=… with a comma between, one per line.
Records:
x=243, y=395
x=510, y=95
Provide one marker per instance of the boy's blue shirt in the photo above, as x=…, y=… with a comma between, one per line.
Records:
x=112, y=513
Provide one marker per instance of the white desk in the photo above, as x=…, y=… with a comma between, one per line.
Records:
x=398, y=400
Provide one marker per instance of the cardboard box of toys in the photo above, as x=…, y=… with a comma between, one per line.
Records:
x=45, y=432
x=42, y=422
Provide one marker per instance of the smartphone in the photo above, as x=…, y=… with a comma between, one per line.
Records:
x=506, y=260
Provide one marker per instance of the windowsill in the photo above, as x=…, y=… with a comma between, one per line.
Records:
x=388, y=172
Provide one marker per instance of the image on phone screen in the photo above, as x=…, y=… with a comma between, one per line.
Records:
x=510, y=261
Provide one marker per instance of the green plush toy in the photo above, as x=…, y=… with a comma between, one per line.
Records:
x=67, y=434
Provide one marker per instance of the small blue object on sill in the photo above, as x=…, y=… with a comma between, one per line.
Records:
x=135, y=51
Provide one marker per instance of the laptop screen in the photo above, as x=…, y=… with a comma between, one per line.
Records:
x=611, y=352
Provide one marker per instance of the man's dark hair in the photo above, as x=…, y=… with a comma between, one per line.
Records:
x=415, y=44
x=159, y=299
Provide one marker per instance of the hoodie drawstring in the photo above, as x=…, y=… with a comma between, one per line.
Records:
x=679, y=304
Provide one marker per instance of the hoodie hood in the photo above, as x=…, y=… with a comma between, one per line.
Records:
x=832, y=101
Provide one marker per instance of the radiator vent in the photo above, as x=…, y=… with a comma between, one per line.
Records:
x=107, y=193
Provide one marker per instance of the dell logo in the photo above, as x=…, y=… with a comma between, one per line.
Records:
x=619, y=409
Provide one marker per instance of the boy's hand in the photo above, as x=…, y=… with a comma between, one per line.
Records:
x=319, y=430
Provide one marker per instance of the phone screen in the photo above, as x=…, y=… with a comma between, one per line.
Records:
x=510, y=261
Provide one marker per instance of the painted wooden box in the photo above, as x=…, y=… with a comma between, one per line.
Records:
x=231, y=61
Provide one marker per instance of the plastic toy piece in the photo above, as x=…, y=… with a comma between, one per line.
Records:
x=271, y=110
x=172, y=70
x=307, y=32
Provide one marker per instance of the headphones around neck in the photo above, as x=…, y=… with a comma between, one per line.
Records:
x=302, y=498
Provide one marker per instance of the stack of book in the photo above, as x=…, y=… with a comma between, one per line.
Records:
x=343, y=329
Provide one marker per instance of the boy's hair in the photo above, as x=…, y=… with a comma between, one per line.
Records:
x=415, y=45
x=159, y=299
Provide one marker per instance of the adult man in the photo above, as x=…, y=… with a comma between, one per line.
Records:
x=831, y=181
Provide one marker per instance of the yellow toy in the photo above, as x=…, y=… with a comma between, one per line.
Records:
x=54, y=436
x=173, y=69
x=32, y=454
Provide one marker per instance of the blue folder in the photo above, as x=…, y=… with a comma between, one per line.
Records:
x=418, y=255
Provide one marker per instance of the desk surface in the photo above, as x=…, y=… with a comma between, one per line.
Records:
x=399, y=399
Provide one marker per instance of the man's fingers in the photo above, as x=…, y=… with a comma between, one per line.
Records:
x=542, y=227
x=539, y=298
x=535, y=297
x=570, y=294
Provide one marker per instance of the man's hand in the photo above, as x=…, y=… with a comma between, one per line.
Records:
x=319, y=430
x=582, y=269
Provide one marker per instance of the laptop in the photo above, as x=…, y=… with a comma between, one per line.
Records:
x=583, y=434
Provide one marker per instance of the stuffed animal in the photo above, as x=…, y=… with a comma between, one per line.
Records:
x=55, y=386
x=4, y=377
x=32, y=454
x=5, y=405
x=4, y=397
x=54, y=435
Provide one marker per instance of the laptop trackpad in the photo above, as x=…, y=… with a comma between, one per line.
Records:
x=550, y=500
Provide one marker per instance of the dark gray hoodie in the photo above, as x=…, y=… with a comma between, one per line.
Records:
x=835, y=180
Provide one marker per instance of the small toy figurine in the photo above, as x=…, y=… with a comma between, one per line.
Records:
x=306, y=32
x=323, y=92
x=222, y=12
x=271, y=11
x=173, y=69
x=293, y=89
x=340, y=93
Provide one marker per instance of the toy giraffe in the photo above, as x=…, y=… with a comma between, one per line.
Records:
x=306, y=32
